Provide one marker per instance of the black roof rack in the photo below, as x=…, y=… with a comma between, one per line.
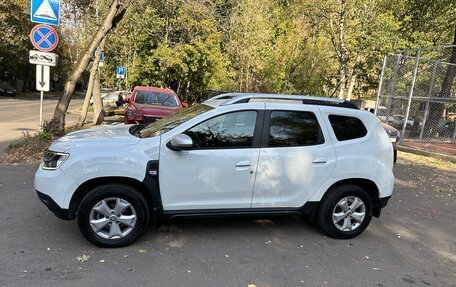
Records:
x=237, y=98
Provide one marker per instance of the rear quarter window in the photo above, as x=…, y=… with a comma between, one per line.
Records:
x=347, y=128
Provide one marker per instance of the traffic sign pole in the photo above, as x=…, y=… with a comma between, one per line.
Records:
x=42, y=84
x=41, y=110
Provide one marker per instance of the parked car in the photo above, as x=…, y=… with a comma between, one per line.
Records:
x=446, y=128
x=249, y=155
x=7, y=90
x=148, y=104
x=109, y=98
x=394, y=136
x=398, y=122
x=113, y=102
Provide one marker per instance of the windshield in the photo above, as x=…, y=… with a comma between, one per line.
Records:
x=170, y=122
x=155, y=98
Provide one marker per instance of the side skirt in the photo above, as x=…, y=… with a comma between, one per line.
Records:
x=308, y=209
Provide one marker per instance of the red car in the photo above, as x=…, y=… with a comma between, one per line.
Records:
x=147, y=104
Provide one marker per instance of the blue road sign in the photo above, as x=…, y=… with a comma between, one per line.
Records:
x=120, y=72
x=101, y=56
x=45, y=12
x=44, y=38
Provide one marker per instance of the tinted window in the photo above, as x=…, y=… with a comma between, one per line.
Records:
x=347, y=128
x=228, y=130
x=293, y=128
x=155, y=98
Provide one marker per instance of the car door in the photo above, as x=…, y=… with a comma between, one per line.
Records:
x=219, y=170
x=296, y=156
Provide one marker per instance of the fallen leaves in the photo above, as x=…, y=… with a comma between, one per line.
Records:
x=83, y=258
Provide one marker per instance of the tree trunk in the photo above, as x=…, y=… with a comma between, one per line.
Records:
x=342, y=52
x=90, y=88
x=88, y=96
x=353, y=76
x=436, y=109
x=98, y=113
x=115, y=14
x=351, y=85
x=187, y=89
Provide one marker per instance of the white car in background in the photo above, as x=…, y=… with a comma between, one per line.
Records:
x=111, y=104
x=110, y=98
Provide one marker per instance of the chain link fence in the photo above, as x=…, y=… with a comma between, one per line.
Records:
x=417, y=95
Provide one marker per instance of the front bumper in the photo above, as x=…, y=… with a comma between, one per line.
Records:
x=55, y=188
x=61, y=213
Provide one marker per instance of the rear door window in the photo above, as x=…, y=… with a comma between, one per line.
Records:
x=347, y=128
x=294, y=128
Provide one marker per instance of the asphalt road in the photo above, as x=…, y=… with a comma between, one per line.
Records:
x=22, y=114
x=412, y=244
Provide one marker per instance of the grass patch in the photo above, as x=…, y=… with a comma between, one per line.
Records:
x=30, y=148
x=426, y=161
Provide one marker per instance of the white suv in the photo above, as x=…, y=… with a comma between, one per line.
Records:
x=235, y=154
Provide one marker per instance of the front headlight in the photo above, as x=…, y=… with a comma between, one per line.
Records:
x=52, y=160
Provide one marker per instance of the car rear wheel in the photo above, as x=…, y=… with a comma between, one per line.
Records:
x=345, y=211
x=113, y=215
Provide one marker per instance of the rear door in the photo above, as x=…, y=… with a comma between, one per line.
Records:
x=296, y=156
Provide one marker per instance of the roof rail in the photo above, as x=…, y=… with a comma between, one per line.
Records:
x=225, y=96
x=309, y=100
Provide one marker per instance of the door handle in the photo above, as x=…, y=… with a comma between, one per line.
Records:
x=320, y=160
x=244, y=163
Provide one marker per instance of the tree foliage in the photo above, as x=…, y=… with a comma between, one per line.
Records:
x=328, y=48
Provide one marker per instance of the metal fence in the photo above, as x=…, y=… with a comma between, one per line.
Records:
x=417, y=95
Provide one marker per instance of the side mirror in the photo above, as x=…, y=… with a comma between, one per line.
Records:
x=184, y=104
x=180, y=142
x=127, y=100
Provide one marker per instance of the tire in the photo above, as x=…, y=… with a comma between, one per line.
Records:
x=345, y=221
x=99, y=223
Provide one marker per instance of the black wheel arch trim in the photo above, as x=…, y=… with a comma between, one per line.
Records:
x=146, y=188
x=370, y=187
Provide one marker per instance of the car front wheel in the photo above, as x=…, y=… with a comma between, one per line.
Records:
x=345, y=211
x=113, y=215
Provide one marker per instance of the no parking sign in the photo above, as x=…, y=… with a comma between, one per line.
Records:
x=44, y=38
